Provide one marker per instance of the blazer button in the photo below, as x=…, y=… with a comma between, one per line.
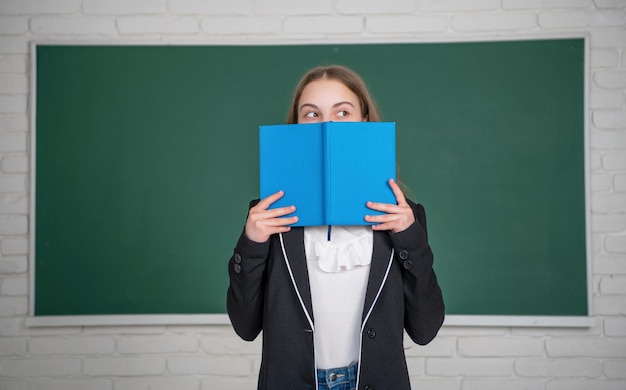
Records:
x=408, y=264
x=403, y=254
x=371, y=333
x=237, y=258
x=368, y=387
x=237, y=268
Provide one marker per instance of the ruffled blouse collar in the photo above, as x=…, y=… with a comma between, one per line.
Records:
x=349, y=247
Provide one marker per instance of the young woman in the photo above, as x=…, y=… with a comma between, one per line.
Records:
x=333, y=313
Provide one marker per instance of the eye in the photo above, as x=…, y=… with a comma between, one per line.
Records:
x=311, y=114
x=343, y=113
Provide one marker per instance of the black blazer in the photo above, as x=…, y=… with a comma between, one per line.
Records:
x=269, y=291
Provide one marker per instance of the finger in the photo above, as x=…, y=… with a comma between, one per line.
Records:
x=383, y=226
x=266, y=202
x=277, y=222
x=394, y=225
x=383, y=207
x=383, y=218
x=397, y=192
x=275, y=213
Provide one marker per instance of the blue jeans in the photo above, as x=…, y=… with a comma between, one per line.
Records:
x=342, y=378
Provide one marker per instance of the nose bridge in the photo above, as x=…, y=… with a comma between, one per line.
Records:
x=326, y=111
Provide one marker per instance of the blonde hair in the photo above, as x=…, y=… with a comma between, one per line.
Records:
x=347, y=77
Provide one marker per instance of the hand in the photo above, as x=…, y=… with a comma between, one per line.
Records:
x=263, y=222
x=397, y=218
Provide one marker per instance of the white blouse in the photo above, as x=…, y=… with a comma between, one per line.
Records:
x=338, y=273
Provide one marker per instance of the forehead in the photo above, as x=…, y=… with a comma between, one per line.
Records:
x=327, y=90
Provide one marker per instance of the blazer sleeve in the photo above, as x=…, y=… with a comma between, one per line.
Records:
x=424, y=309
x=245, y=295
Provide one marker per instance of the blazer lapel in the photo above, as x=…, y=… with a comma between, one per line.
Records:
x=381, y=257
x=296, y=257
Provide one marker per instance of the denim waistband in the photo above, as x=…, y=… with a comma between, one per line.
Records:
x=336, y=377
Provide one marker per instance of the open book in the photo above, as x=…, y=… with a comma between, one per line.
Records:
x=328, y=170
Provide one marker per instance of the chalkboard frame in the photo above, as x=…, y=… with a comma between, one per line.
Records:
x=176, y=319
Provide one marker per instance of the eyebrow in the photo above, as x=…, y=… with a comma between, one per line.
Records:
x=308, y=105
x=316, y=107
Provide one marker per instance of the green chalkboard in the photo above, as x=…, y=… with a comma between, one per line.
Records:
x=146, y=159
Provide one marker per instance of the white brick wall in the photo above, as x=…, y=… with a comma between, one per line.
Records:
x=212, y=357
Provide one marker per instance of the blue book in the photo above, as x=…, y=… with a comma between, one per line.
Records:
x=328, y=170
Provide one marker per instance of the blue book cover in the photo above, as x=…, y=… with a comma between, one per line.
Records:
x=328, y=170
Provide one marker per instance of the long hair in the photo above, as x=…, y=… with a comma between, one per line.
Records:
x=347, y=77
